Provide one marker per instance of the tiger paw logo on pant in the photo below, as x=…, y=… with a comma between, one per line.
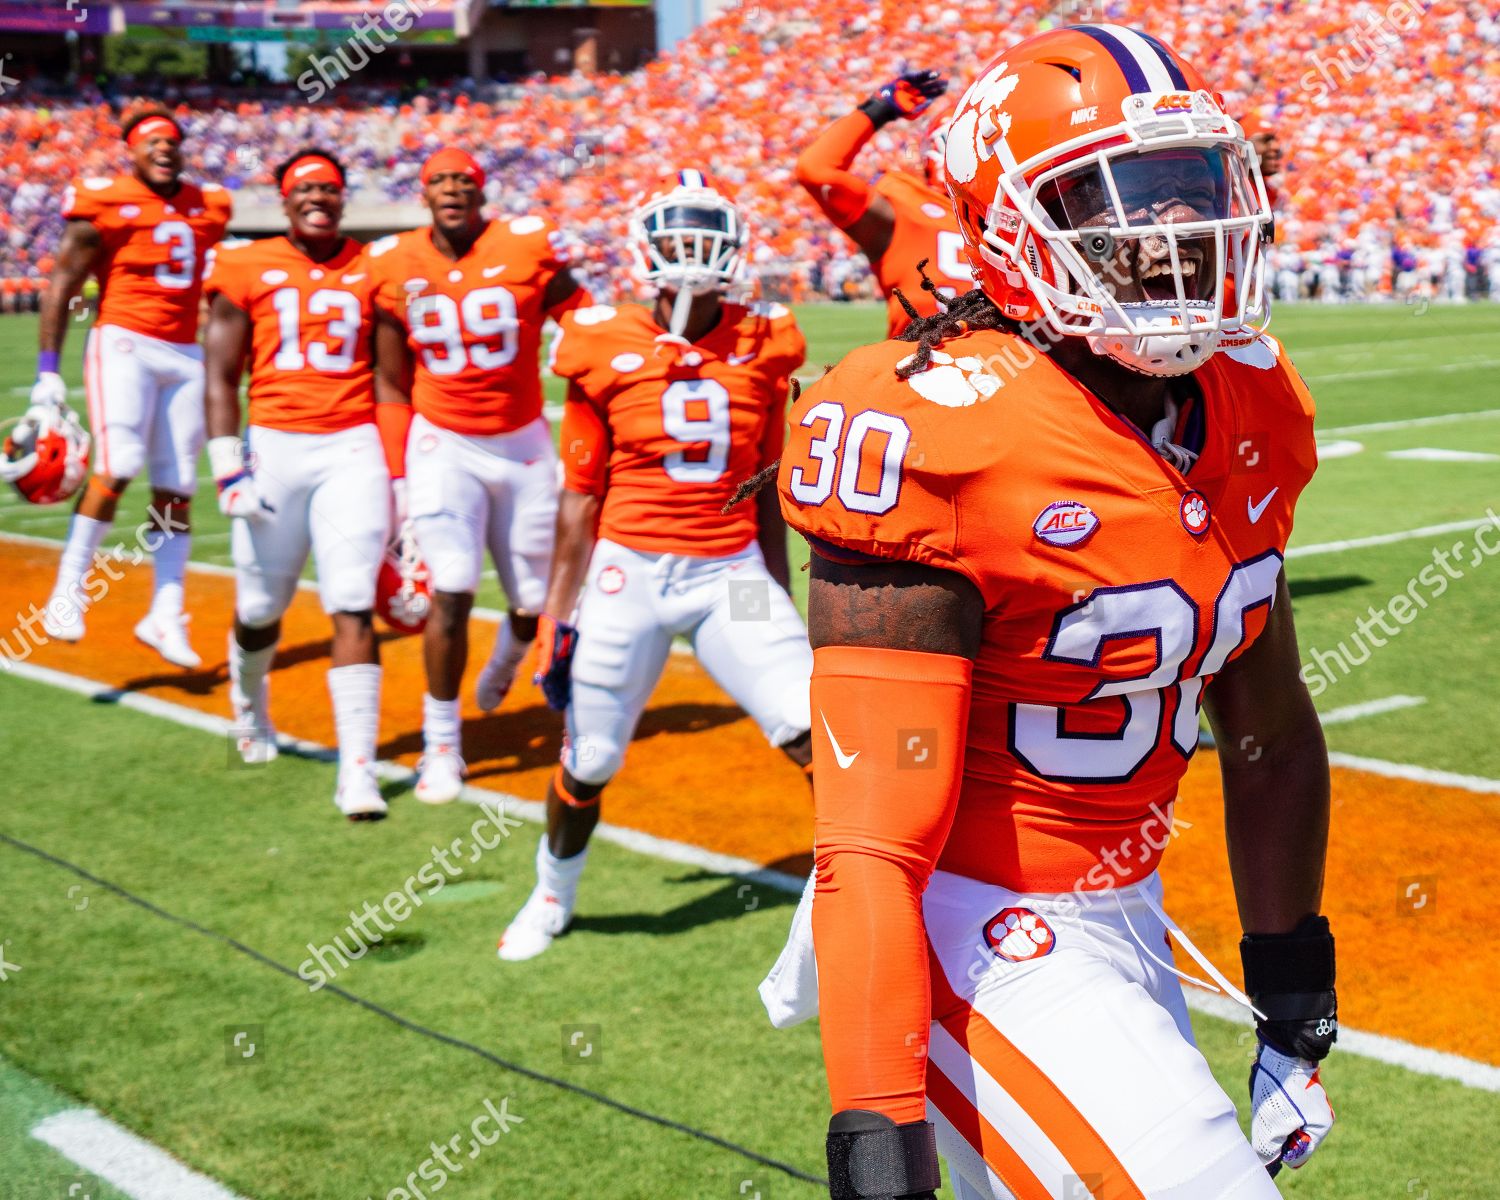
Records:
x=1019, y=935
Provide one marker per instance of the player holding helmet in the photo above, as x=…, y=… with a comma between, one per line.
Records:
x=459, y=309
x=901, y=221
x=1039, y=548
x=669, y=407
x=311, y=474
x=146, y=236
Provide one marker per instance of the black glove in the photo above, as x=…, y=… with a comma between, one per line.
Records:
x=904, y=98
x=1290, y=977
x=870, y=1157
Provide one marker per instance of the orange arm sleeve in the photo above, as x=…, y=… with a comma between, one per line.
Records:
x=584, y=442
x=889, y=731
x=823, y=169
x=394, y=421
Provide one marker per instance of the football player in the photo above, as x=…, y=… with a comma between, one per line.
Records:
x=145, y=235
x=1048, y=525
x=459, y=309
x=311, y=473
x=668, y=408
x=900, y=221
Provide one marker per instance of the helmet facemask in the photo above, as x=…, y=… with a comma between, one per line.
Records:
x=689, y=241
x=1148, y=246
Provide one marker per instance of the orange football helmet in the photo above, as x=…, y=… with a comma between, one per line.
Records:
x=403, y=591
x=1103, y=192
x=46, y=454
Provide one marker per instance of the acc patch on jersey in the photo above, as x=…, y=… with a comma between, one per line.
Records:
x=1067, y=523
x=1019, y=935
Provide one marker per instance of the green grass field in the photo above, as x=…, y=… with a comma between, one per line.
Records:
x=165, y=902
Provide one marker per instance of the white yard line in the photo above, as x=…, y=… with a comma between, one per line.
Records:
x=133, y=1165
x=1473, y=364
x=1416, y=774
x=1386, y=539
x=1439, y=454
x=1482, y=414
x=1388, y=1050
x=1370, y=708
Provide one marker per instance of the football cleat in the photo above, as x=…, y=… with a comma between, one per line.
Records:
x=358, y=795
x=1103, y=193
x=440, y=776
x=62, y=620
x=167, y=635
x=500, y=672
x=254, y=739
x=45, y=452
x=544, y=917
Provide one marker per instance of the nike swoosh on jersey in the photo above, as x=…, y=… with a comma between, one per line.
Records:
x=739, y=360
x=491, y=272
x=353, y=278
x=1257, y=510
x=845, y=761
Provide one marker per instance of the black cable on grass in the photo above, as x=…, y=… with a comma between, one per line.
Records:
x=421, y=1030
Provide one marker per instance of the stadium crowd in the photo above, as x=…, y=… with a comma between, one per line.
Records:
x=1391, y=179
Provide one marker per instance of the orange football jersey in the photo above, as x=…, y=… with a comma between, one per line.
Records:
x=666, y=432
x=310, y=332
x=151, y=263
x=474, y=325
x=1114, y=586
x=925, y=229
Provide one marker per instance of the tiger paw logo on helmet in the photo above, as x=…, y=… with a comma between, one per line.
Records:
x=1019, y=935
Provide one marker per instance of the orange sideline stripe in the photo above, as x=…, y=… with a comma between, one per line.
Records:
x=960, y=1112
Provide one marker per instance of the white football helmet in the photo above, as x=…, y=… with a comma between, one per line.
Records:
x=686, y=236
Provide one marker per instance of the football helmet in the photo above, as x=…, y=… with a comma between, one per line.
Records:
x=46, y=454
x=687, y=236
x=1103, y=192
x=403, y=590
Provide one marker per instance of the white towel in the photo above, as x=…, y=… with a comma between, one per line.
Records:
x=790, y=991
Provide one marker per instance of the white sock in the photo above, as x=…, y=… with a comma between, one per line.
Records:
x=85, y=535
x=559, y=876
x=440, y=725
x=248, y=686
x=169, y=564
x=356, y=712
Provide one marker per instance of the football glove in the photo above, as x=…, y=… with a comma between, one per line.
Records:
x=904, y=98
x=49, y=392
x=238, y=495
x=554, y=675
x=1290, y=979
x=1290, y=1113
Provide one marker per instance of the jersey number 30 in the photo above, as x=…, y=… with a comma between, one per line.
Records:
x=867, y=475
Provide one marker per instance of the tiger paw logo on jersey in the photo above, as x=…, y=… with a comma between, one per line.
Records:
x=1194, y=510
x=1019, y=935
x=1067, y=523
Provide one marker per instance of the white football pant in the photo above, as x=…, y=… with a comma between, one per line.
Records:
x=145, y=400
x=741, y=624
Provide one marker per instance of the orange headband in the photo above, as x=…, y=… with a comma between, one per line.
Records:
x=150, y=127
x=451, y=161
x=310, y=168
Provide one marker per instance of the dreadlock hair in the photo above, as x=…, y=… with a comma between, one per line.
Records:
x=751, y=487
x=972, y=310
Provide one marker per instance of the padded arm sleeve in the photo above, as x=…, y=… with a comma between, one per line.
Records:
x=879, y=826
x=823, y=169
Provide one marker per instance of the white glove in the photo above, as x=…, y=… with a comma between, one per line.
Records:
x=1290, y=1111
x=49, y=391
x=238, y=495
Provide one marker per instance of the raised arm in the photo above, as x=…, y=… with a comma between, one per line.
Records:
x=893, y=649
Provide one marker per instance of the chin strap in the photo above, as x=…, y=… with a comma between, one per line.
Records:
x=1161, y=439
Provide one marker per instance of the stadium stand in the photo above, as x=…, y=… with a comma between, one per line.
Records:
x=1385, y=186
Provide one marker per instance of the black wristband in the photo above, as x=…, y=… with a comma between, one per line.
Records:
x=1290, y=978
x=870, y=1157
x=880, y=110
